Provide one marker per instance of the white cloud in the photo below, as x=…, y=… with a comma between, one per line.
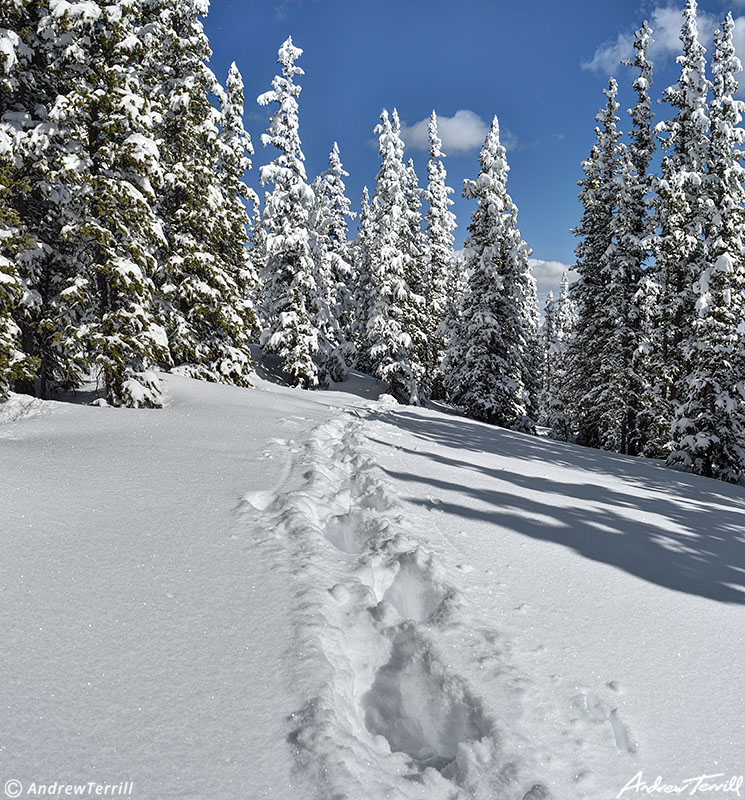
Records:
x=608, y=56
x=666, y=22
x=464, y=132
x=548, y=276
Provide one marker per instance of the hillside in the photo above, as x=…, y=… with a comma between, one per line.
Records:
x=279, y=594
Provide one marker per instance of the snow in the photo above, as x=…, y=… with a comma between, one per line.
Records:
x=271, y=593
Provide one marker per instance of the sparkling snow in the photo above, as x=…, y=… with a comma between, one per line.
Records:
x=272, y=593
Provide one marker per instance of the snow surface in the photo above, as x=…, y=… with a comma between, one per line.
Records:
x=272, y=593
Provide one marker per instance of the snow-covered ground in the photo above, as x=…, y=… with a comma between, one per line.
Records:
x=280, y=594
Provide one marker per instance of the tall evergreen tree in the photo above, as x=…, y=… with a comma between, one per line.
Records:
x=485, y=363
x=38, y=71
x=415, y=250
x=111, y=226
x=362, y=300
x=589, y=362
x=681, y=250
x=333, y=270
x=440, y=224
x=709, y=425
x=388, y=342
x=203, y=272
x=634, y=231
x=290, y=288
x=14, y=364
x=556, y=402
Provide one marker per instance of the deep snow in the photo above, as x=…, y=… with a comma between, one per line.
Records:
x=271, y=593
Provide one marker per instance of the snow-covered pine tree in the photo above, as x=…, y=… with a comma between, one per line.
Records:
x=709, y=426
x=557, y=410
x=548, y=337
x=203, y=273
x=597, y=405
x=635, y=232
x=440, y=224
x=388, y=343
x=527, y=301
x=681, y=250
x=415, y=249
x=36, y=74
x=329, y=232
x=14, y=364
x=239, y=320
x=111, y=228
x=362, y=273
x=485, y=362
x=289, y=287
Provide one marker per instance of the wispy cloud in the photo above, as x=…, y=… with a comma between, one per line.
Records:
x=666, y=22
x=464, y=132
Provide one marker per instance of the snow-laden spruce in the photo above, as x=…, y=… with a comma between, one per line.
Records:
x=362, y=272
x=38, y=72
x=204, y=273
x=708, y=431
x=416, y=260
x=388, y=308
x=112, y=228
x=329, y=232
x=681, y=248
x=440, y=225
x=485, y=365
x=601, y=349
x=287, y=270
x=560, y=319
x=634, y=230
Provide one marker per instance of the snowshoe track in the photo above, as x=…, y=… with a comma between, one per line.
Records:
x=385, y=715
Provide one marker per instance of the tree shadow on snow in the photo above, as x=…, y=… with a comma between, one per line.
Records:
x=690, y=537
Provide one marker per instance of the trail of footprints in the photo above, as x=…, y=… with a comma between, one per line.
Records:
x=386, y=713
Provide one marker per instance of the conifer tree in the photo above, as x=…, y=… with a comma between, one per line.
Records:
x=485, y=363
x=290, y=289
x=37, y=73
x=333, y=270
x=709, y=425
x=557, y=335
x=111, y=226
x=681, y=249
x=635, y=233
x=362, y=300
x=596, y=405
x=388, y=342
x=239, y=320
x=415, y=250
x=14, y=364
x=548, y=338
x=527, y=303
x=440, y=224
x=203, y=273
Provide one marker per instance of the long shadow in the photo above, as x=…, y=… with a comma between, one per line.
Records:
x=691, y=537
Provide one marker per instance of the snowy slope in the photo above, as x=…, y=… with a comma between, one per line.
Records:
x=282, y=594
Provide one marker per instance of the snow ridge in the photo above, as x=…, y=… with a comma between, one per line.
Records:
x=387, y=716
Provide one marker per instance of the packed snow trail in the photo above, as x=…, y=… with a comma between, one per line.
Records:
x=387, y=715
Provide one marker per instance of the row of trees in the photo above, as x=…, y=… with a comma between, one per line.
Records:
x=655, y=362
x=127, y=244
x=390, y=302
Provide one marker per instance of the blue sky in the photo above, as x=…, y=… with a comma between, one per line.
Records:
x=540, y=66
